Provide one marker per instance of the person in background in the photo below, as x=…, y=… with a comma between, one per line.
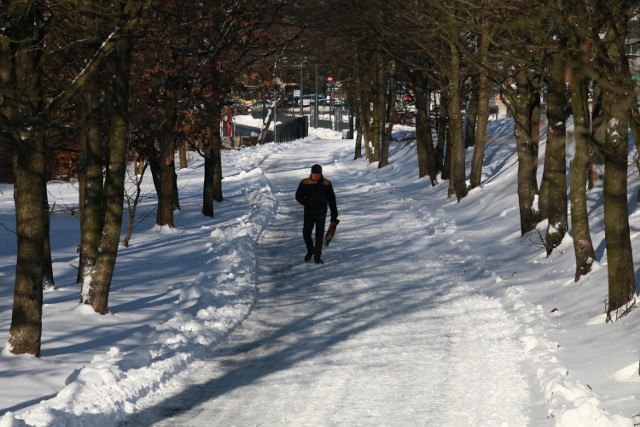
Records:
x=316, y=194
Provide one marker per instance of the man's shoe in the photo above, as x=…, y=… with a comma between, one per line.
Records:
x=319, y=261
x=308, y=256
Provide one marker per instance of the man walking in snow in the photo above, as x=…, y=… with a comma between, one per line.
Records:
x=315, y=193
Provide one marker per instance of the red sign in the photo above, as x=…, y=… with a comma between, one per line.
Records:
x=329, y=79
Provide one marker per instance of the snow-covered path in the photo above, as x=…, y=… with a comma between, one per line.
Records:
x=379, y=335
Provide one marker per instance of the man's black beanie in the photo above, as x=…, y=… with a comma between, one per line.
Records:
x=316, y=169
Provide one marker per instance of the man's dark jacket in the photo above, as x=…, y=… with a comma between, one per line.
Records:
x=315, y=196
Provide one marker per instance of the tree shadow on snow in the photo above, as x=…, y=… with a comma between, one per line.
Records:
x=306, y=310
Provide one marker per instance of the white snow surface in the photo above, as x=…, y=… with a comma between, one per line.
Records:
x=427, y=311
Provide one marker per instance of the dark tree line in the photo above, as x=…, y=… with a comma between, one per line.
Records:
x=110, y=79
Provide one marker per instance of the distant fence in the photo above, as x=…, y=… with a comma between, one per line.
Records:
x=292, y=128
x=338, y=119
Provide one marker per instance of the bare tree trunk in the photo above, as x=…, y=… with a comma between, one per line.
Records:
x=216, y=152
x=472, y=114
x=522, y=104
x=634, y=125
x=582, y=244
x=153, y=157
x=21, y=61
x=97, y=292
x=132, y=202
x=535, y=119
x=483, y=112
x=207, y=193
x=167, y=142
x=378, y=113
x=91, y=184
x=390, y=108
x=442, y=165
x=209, y=166
x=618, y=98
x=182, y=155
x=26, y=319
x=176, y=197
x=363, y=110
x=48, y=281
x=424, y=136
x=553, y=189
x=362, y=80
x=456, y=142
x=622, y=283
x=358, y=143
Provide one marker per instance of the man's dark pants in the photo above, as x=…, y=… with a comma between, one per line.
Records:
x=309, y=221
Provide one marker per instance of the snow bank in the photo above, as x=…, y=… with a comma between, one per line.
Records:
x=204, y=311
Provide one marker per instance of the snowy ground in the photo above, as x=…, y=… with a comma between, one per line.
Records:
x=426, y=312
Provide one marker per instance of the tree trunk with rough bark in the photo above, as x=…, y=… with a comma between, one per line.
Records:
x=182, y=156
x=29, y=170
x=389, y=116
x=553, y=189
x=441, y=163
x=358, y=142
x=424, y=137
x=582, y=244
x=522, y=101
x=48, y=281
x=207, y=192
x=91, y=181
x=622, y=283
x=483, y=113
x=167, y=143
x=96, y=293
x=22, y=111
x=618, y=97
x=216, y=151
x=362, y=82
x=363, y=110
x=472, y=114
x=378, y=111
x=458, y=185
x=209, y=169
